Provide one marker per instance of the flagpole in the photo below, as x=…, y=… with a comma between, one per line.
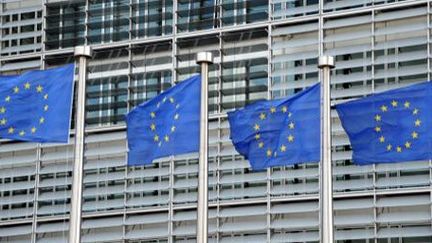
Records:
x=203, y=59
x=82, y=53
x=326, y=63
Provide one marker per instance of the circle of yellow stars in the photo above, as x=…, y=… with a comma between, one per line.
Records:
x=263, y=116
x=414, y=135
x=14, y=95
x=159, y=137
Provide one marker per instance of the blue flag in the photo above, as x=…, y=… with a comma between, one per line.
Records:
x=392, y=126
x=36, y=106
x=165, y=125
x=279, y=132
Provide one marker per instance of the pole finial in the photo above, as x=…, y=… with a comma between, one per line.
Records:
x=85, y=51
x=204, y=56
x=326, y=61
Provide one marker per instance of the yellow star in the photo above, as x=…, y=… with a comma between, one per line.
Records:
x=171, y=100
x=407, y=104
x=290, y=138
x=283, y=148
x=33, y=130
x=39, y=88
x=398, y=149
x=262, y=116
x=377, y=129
x=377, y=118
x=414, y=135
x=21, y=133
x=260, y=144
x=152, y=115
x=176, y=116
x=417, y=123
x=3, y=121
x=257, y=136
x=269, y=153
x=173, y=128
x=2, y=110
x=384, y=108
x=394, y=103
x=45, y=96
x=273, y=109
x=389, y=147
x=8, y=98
x=45, y=107
x=284, y=109
x=289, y=114
x=382, y=139
x=407, y=145
x=27, y=85
x=256, y=127
x=177, y=106
x=153, y=127
x=291, y=125
x=156, y=138
x=11, y=130
x=41, y=120
x=415, y=111
x=164, y=99
x=16, y=89
x=166, y=138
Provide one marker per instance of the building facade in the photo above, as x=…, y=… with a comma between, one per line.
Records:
x=263, y=49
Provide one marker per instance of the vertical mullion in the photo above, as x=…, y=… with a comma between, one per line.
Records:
x=174, y=77
x=130, y=20
x=129, y=99
x=36, y=193
x=38, y=145
x=374, y=171
x=269, y=96
x=86, y=22
x=174, y=44
x=44, y=26
x=1, y=32
x=219, y=111
x=428, y=32
x=171, y=201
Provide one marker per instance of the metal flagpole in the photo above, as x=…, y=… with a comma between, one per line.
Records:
x=82, y=53
x=204, y=59
x=325, y=63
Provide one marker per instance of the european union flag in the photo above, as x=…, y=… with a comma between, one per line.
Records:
x=392, y=126
x=36, y=106
x=279, y=132
x=165, y=125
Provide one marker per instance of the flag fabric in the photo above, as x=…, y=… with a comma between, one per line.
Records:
x=392, y=126
x=279, y=132
x=36, y=106
x=165, y=125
